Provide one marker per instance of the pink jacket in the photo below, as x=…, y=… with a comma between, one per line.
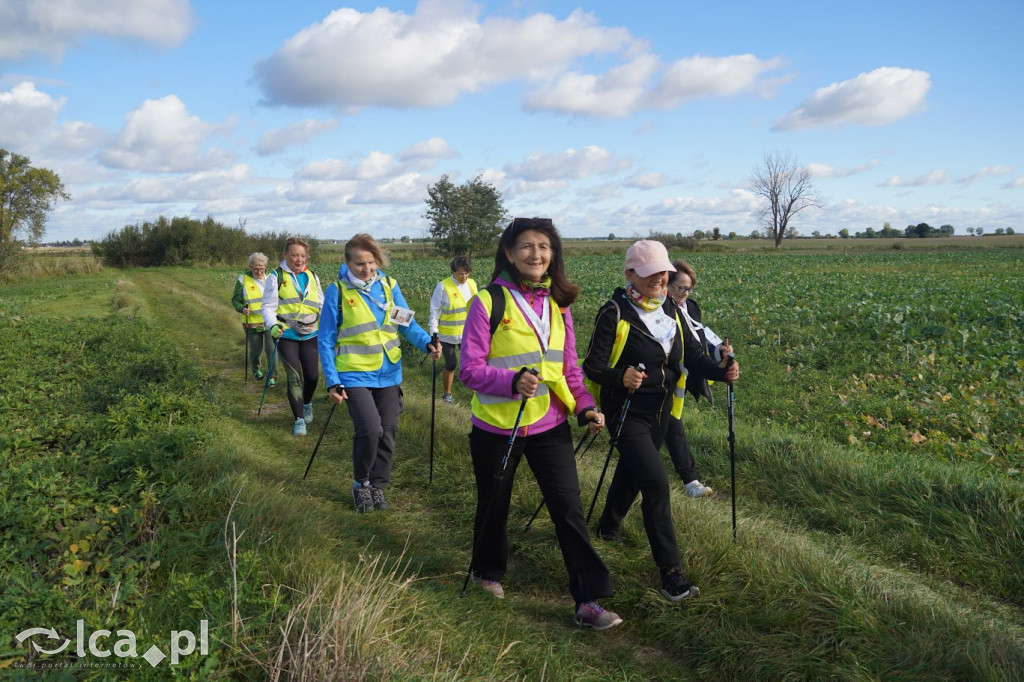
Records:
x=478, y=376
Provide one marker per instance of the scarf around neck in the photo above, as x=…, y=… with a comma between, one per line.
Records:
x=648, y=304
x=359, y=284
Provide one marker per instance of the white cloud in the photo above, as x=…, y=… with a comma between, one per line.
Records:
x=545, y=190
x=738, y=201
x=160, y=137
x=571, y=163
x=878, y=97
x=935, y=177
x=375, y=165
x=26, y=114
x=614, y=94
x=428, y=59
x=205, y=185
x=51, y=27
x=696, y=77
x=985, y=172
x=274, y=141
x=821, y=170
x=428, y=150
x=645, y=180
x=1015, y=183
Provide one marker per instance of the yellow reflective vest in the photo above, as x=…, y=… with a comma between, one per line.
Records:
x=514, y=345
x=362, y=341
x=294, y=308
x=453, y=318
x=621, y=334
x=252, y=298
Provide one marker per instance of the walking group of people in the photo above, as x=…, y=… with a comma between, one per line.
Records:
x=518, y=356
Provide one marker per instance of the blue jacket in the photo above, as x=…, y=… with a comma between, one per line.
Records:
x=390, y=373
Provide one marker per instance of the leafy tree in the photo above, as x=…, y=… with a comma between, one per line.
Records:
x=844, y=233
x=27, y=195
x=611, y=236
x=698, y=234
x=732, y=235
x=716, y=234
x=921, y=230
x=970, y=231
x=786, y=188
x=754, y=234
x=465, y=219
x=1000, y=230
x=816, y=235
x=947, y=230
x=1009, y=230
x=979, y=231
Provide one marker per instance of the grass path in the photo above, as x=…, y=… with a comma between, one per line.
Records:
x=800, y=596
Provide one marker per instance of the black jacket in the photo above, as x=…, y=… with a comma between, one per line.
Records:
x=662, y=370
x=697, y=384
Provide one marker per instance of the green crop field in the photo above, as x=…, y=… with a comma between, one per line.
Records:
x=879, y=494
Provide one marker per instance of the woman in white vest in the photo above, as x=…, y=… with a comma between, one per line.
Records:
x=292, y=298
x=681, y=284
x=364, y=316
x=448, y=307
x=533, y=331
x=247, y=300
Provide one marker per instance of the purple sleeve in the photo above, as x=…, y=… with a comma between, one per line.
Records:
x=474, y=371
x=571, y=369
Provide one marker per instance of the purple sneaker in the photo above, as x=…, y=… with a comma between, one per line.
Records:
x=590, y=614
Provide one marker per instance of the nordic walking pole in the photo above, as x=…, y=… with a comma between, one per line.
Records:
x=433, y=407
x=498, y=478
x=540, y=506
x=266, y=382
x=611, y=446
x=732, y=445
x=329, y=415
x=245, y=367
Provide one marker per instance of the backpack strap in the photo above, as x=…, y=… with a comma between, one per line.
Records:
x=497, y=304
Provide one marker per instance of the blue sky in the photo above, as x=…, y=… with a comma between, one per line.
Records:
x=331, y=118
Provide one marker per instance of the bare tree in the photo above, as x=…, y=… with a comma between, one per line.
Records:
x=786, y=188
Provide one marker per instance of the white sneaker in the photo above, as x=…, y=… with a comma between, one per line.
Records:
x=491, y=586
x=697, y=489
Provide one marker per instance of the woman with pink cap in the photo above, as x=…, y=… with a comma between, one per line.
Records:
x=636, y=355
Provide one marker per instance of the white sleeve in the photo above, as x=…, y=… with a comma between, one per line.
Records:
x=269, y=307
x=437, y=301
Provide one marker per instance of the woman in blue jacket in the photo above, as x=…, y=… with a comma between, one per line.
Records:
x=363, y=316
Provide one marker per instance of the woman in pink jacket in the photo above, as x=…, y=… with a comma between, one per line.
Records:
x=521, y=322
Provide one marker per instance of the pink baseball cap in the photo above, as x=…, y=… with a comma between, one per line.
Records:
x=647, y=257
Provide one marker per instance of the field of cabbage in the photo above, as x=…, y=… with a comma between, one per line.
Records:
x=919, y=353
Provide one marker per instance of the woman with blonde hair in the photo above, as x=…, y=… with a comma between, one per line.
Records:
x=365, y=317
x=292, y=299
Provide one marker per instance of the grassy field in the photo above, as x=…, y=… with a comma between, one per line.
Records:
x=880, y=511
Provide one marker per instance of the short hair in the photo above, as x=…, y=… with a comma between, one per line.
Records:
x=257, y=257
x=291, y=241
x=462, y=263
x=682, y=268
x=365, y=242
x=563, y=291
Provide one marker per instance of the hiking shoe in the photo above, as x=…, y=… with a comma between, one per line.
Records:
x=379, y=503
x=590, y=614
x=697, y=489
x=272, y=382
x=362, y=498
x=307, y=413
x=447, y=398
x=300, y=427
x=258, y=374
x=675, y=586
x=612, y=536
x=492, y=586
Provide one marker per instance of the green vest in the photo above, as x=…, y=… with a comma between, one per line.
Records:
x=514, y=345
x=362, y=341
x=453, y=318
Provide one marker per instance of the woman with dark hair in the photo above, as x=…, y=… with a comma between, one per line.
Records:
x=681, y=284
x=641, y=326
x=292, y=298
x=448, y=307
x=519, y=323
x=360, y=352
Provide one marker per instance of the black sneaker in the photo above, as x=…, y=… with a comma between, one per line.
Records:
x=362, y=498
x=675, y=586
x=379, y=503
x=612, y=536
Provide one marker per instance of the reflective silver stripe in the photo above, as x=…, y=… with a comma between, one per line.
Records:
x=447, y=338
x=450, y=311
x=389, y=329
x=485, y=399
x=285, y=301
x=287, y=316
x=359, y=350
x=318, y=304
x=393, y=343
x=515, y=361
x=554, y=355
x=357, y=329
x=680, y=391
